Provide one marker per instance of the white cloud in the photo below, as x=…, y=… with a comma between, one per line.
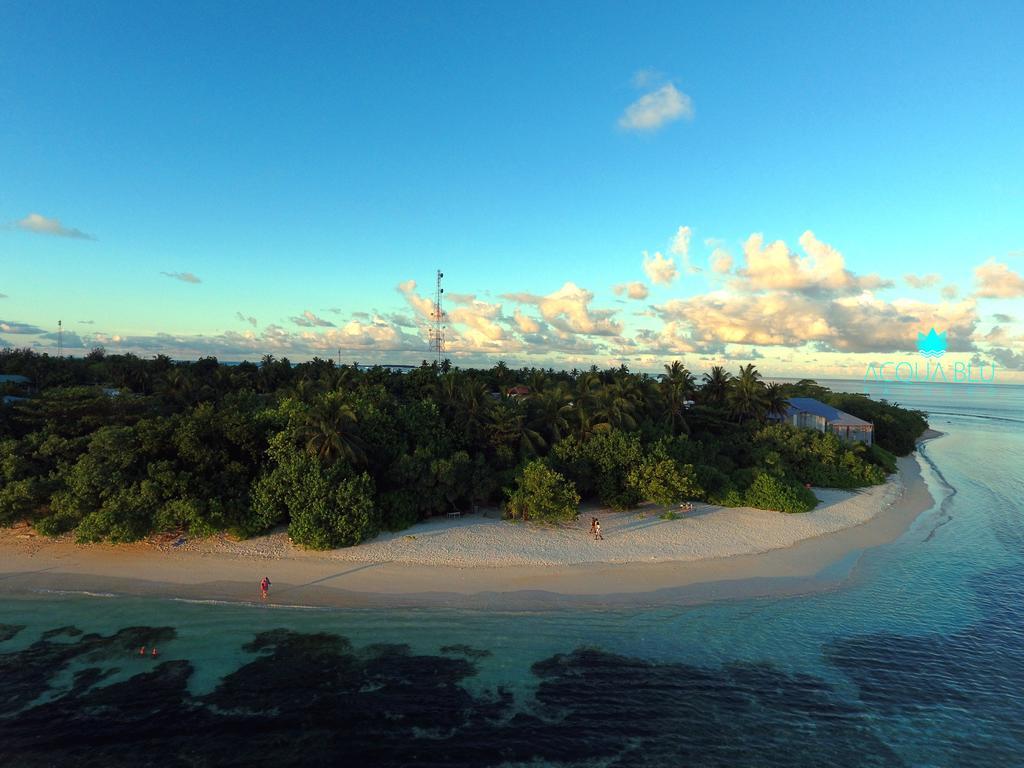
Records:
x=681, y=248
x=823, y=269
x=660, y=269
x=681, y=242
x=246, y=319
x=376, y=337
x=780, y=318
x=422, y=305
x=568, y=311
x=478, y=321
x=309, y=320
x=869, y=324
x=997, y=281
x=525, y=323
x=657, y=108
x=765, y=319
x=721, y=261
x=357, y=336
x=41, y=225
x=949, y=291
x=19, y=328
x=185, y=277
x=634, y=290
x=924, y=281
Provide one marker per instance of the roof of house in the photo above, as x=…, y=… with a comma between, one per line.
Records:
x=832, y=415
x=13, y=378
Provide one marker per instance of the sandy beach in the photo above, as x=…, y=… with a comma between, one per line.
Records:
x=481, y=560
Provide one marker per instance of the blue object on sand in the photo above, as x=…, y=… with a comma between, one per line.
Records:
x=179, y=542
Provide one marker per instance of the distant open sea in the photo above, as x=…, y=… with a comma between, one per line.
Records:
x=917, y=659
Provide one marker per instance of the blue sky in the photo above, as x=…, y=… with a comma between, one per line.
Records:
x=303, y=163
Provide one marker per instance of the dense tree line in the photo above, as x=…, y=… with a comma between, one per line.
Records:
x=115, y=447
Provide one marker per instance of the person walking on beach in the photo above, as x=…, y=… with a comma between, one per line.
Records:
x=593, y=527
x=597, y=530
x=264, y=588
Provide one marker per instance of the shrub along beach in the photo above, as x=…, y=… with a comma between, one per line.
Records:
x=117, y=448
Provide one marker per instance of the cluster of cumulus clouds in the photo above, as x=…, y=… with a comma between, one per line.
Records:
x=767, y=299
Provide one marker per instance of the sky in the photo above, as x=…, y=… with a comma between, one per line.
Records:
x=802, y=186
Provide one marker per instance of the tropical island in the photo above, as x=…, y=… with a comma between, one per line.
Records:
x=117, y=448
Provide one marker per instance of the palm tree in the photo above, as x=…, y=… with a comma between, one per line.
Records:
x=716, y=385
x=616, y=404
x=307, y=389
x=675, y=371
x=473, y=401
x=550, y=410
x=269, y=377
x=746, y=395
x=508, y=428
x=676, y=388
x=537, y=381
x=587, y=421
x=329, y=432
x=178, y=386
x=776, y=402
x=585, y=407
x=500, y=374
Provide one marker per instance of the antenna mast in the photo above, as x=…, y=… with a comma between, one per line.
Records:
x=437, y=318
x=60, y=338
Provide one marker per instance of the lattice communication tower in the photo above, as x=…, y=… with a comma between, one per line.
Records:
x=437, y=320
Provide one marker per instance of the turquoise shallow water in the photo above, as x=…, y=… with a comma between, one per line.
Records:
x=917, y=659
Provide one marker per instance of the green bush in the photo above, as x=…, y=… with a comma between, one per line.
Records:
x=341, y=518
x=543, y=494
x=771, y=492
x=663, y=481
x=729, y=497
x=601, y=465
x=399, y=509
x=818, y=458
x=17, y=501
x=882, y=458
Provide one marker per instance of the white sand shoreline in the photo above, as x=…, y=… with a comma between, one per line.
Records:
x=476, y=541
x=485, y=562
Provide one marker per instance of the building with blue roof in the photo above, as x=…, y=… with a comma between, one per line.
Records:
x=809, y=413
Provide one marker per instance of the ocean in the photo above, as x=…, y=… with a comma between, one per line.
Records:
x=916, y=658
